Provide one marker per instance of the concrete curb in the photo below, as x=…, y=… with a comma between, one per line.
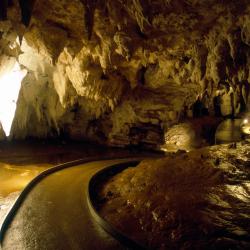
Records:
x=108, y=227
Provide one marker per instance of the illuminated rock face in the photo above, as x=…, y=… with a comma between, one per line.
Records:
x=181, y=200
x=124, y=72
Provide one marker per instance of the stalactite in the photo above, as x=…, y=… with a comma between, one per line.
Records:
x=3, y=9
x=26, y=10
x=10, y=3
x=90, y=6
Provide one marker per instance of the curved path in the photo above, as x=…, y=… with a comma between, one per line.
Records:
x=55, y=214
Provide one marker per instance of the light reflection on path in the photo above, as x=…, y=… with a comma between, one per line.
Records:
x=13, y=179
x=228, y=131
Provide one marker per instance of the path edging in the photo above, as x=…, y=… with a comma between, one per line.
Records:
x=108, y=227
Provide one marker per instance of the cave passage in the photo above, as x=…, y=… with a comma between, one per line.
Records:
x=10, y=83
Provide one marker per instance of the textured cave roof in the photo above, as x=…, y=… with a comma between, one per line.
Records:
x=129, y=64
x=150, y=17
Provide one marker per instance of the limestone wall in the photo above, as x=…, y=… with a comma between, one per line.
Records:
x=123, y=72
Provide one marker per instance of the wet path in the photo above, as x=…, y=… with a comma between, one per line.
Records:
x=55, y=214
x=228, y=131
x=20, y=162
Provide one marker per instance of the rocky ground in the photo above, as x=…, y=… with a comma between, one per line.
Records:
x=195, y=200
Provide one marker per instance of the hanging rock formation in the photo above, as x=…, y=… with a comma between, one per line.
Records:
x=123, y=72
x=2, y=134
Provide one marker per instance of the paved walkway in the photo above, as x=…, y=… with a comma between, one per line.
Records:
x=55, y=215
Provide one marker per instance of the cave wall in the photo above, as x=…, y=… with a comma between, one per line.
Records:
x=123, y=72
x=2, y=133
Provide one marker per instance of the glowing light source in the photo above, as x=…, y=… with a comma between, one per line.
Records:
x=10, y=84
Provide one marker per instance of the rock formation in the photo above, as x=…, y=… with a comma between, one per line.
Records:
x=195, y=200
x=123, y=72
x=2, y=134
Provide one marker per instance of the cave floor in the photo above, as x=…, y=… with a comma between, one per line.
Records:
x=58, y=203
x=20, y=162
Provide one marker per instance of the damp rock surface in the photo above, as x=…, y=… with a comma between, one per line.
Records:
x=195, y=200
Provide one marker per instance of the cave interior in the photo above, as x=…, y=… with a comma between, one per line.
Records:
x=156, y=75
